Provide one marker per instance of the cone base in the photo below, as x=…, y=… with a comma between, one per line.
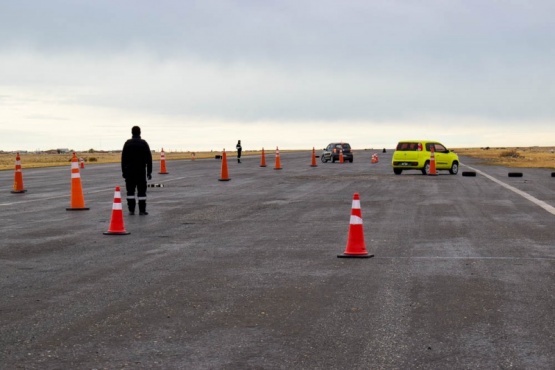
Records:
x=18, y=191
x=224, y=179
x=116, y=233
x=163, y=173
x=263, y=166
x=277, y=168
x=345, y=255
x=313, y=165
x=77, y=209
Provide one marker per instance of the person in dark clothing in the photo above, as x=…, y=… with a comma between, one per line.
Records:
x=136, y=167
x=239, y=149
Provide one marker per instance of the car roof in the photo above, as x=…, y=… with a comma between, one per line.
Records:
x=418, y=141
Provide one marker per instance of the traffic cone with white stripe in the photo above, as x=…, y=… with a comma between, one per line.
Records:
x=116, y=222
x=163, y=170
x=341, y=158
x=81, y=163
x=356, y=248
x=313, y=163
x=77, y=202
x=375, y=158
x=263, y=159
x=433, y=171
x=18, y=177
x=224, y=176
x=277, y=166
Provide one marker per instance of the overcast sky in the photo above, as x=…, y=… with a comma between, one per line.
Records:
x=199, y=75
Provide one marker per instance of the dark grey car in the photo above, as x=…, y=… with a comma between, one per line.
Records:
x=331, y=152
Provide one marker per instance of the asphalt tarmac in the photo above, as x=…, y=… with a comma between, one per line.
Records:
x=244, y=274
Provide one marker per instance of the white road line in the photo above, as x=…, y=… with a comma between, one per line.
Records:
x=523, y=194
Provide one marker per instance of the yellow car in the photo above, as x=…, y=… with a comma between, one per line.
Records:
x=415, y=155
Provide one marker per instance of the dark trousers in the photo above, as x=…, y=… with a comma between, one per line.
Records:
x=132, y=183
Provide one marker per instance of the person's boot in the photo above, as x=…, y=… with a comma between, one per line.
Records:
x=131, y=206
x=142, y=208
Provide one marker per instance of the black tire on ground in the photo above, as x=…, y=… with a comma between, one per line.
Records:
x=323, y=159
x=515, y=174
x=469, y=173
x=552, y=174
x=397, y=171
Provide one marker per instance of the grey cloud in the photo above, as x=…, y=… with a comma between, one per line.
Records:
x=291, y=60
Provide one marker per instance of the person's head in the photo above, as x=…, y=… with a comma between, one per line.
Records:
x=136, y=131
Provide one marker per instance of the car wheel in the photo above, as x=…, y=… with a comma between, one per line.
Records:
x=426, y=169
x=397, y=171
x=454, y=168
x=323, y=159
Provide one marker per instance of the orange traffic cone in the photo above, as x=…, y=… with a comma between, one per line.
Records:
x=263, y=159
x=77, y=199
x=116, y=222
x=313, y=164
x=224, y=175
x=81, y=163
x=277, y=166
x=163, y=163
x=341, y=159
x=355, y=241
x=375, y=158
x=433, y=171
x=18, y=177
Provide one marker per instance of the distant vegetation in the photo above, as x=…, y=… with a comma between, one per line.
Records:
x=511, y=153
x=530, y=157
x=53, y=159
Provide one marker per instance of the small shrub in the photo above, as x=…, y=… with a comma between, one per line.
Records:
x=511, y=153
x=93, y=159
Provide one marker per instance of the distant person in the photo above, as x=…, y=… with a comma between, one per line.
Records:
x=136, y=167
x=239, y=150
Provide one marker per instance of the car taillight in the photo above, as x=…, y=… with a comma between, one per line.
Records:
x=419, y=147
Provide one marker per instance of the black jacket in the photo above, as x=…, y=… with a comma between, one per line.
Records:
x=136, y=158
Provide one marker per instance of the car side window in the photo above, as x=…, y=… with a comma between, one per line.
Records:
x=440, y=148
x=429, y=147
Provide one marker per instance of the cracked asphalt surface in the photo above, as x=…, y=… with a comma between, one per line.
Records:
x=244, y=274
